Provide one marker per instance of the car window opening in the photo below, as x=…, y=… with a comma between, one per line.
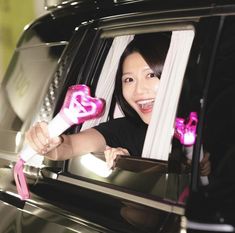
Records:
x=174, y=68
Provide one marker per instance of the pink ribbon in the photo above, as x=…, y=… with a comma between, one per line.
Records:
x=20, y=180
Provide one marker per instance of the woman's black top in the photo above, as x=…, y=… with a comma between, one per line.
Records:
x=122, y=132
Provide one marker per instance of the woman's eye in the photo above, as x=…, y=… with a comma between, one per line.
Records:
x=152, y=75
x=127, y=80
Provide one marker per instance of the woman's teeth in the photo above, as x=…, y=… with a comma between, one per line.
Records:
x=146, y=104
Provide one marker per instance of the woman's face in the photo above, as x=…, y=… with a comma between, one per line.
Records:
x=139, y=85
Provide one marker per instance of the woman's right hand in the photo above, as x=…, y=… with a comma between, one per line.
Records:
x=38, y=138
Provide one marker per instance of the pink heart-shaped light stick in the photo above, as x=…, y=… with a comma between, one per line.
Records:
x=185, y=130
x=78, y=107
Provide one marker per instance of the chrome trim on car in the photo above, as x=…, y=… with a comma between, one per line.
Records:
x=115, y=31
x=131, y=197
x=51, y=44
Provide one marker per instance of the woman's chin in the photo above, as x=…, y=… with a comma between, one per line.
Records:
x=146, y=118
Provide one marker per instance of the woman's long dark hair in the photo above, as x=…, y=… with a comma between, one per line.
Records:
x=153, y=48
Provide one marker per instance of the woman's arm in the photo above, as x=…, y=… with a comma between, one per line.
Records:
x=65, y=146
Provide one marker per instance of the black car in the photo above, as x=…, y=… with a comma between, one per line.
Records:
x=79, y=42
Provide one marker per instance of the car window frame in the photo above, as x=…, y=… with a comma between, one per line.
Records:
x=63, y=174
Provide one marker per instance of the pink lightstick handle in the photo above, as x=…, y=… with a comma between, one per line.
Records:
x=78, y=107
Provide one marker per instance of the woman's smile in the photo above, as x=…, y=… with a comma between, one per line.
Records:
x=146, y=105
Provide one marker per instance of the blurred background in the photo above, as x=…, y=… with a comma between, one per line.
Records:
x=14, y=16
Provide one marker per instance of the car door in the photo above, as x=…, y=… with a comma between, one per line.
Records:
x=215, y=202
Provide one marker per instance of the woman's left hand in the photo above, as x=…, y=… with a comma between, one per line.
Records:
x=111, y=155
x=205, y=165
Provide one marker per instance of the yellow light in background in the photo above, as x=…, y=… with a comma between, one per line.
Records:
x=13, y=17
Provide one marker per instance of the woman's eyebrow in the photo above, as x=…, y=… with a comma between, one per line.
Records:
x=147, y=69
x=126, y=73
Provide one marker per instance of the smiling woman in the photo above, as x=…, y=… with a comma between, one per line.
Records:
x=139, y=74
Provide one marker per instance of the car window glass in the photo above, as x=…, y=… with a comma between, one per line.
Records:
x=164, y=110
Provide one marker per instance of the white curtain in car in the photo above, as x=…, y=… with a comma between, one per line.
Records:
x=161, y=127
x=105, y=86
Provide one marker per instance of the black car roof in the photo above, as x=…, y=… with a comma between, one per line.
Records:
x=157, y=4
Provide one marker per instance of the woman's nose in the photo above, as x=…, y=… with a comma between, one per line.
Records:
x=140, y=87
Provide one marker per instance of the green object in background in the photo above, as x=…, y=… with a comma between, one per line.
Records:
x=14, y=15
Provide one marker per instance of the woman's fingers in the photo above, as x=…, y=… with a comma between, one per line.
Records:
x=38, y=138
x=124, y=151
x=111, y=155
x=205, y=164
